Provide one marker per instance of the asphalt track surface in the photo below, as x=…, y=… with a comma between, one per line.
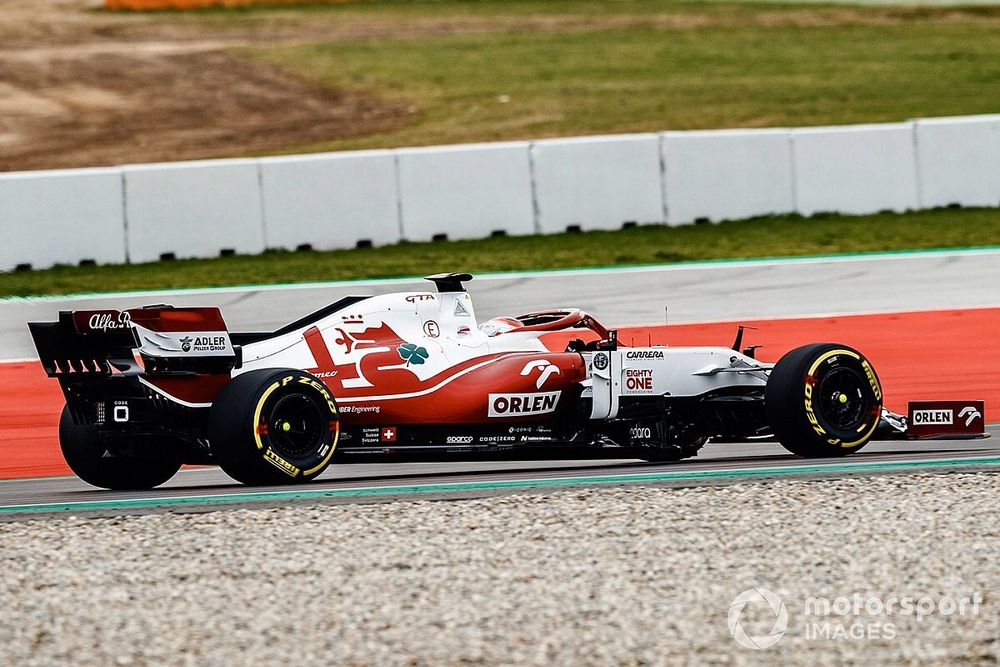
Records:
x=717, y=463
x=697, y=292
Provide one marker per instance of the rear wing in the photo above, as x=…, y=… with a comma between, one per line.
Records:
x=150, y=340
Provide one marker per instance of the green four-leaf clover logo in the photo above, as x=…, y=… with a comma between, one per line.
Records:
x=412, y=354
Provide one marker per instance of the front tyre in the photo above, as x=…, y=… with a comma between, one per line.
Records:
x=120, y=468
x=274, y=426
x=823, y=400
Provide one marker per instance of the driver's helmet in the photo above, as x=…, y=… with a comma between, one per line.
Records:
x=499, y=325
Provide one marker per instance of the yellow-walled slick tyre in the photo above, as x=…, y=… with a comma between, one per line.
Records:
x=120, y=467
x=274, y=426
x=823, y=400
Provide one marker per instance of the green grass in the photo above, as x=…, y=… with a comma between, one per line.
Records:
x=569, y=67
x=654, y=244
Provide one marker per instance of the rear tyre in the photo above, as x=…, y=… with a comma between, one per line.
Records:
x=273, y=426
x=95, y=463
x=823, y=400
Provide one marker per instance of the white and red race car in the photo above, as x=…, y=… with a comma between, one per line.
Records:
x=409, y=375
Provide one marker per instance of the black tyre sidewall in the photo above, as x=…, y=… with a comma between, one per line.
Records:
x=82, y=449
x=249, y=454
x=796, y=416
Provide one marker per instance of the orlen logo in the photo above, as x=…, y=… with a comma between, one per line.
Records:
x=105, y=321
x=933, y=417
x=544, y=367
x=970, y=414
x=644, y=354
x=514, y=405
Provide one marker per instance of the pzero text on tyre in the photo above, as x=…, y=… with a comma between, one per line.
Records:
x=823, y=400
x=118, y=465
x=274, y=426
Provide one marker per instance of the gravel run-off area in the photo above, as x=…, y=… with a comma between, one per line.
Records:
x=601, y=576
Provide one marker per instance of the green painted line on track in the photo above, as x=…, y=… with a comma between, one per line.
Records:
x=547, y=482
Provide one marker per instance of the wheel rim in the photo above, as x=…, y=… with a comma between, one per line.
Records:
x=844, y=398
x=296, y=426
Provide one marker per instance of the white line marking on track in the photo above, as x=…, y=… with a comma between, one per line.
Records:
x=509, y=275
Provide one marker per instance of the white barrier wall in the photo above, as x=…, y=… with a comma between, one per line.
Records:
x=597, y=182
x=467, y=192
x=333, y=200
x=193, y=209
x=61, y=217
x=727, y=174
x=958, y=161
x=854, y=169
x=140, y=213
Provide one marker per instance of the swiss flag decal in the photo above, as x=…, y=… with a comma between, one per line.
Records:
x=388, y=434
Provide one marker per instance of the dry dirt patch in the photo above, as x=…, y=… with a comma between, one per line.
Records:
x=109, y=109
x=85, y=88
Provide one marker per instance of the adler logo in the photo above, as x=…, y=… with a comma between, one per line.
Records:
x=644, y=354
x=933, y=417
x=205, y=344
x=514, y=405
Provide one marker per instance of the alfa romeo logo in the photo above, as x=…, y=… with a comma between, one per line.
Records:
x=758, y=596
x=600, y=361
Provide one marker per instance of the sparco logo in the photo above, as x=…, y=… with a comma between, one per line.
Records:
x=459, y=439
x=105, y=321
x=933, y=417
x=644, y=354
x=507, y=405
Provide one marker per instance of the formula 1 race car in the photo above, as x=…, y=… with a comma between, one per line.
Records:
x=404, y=375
